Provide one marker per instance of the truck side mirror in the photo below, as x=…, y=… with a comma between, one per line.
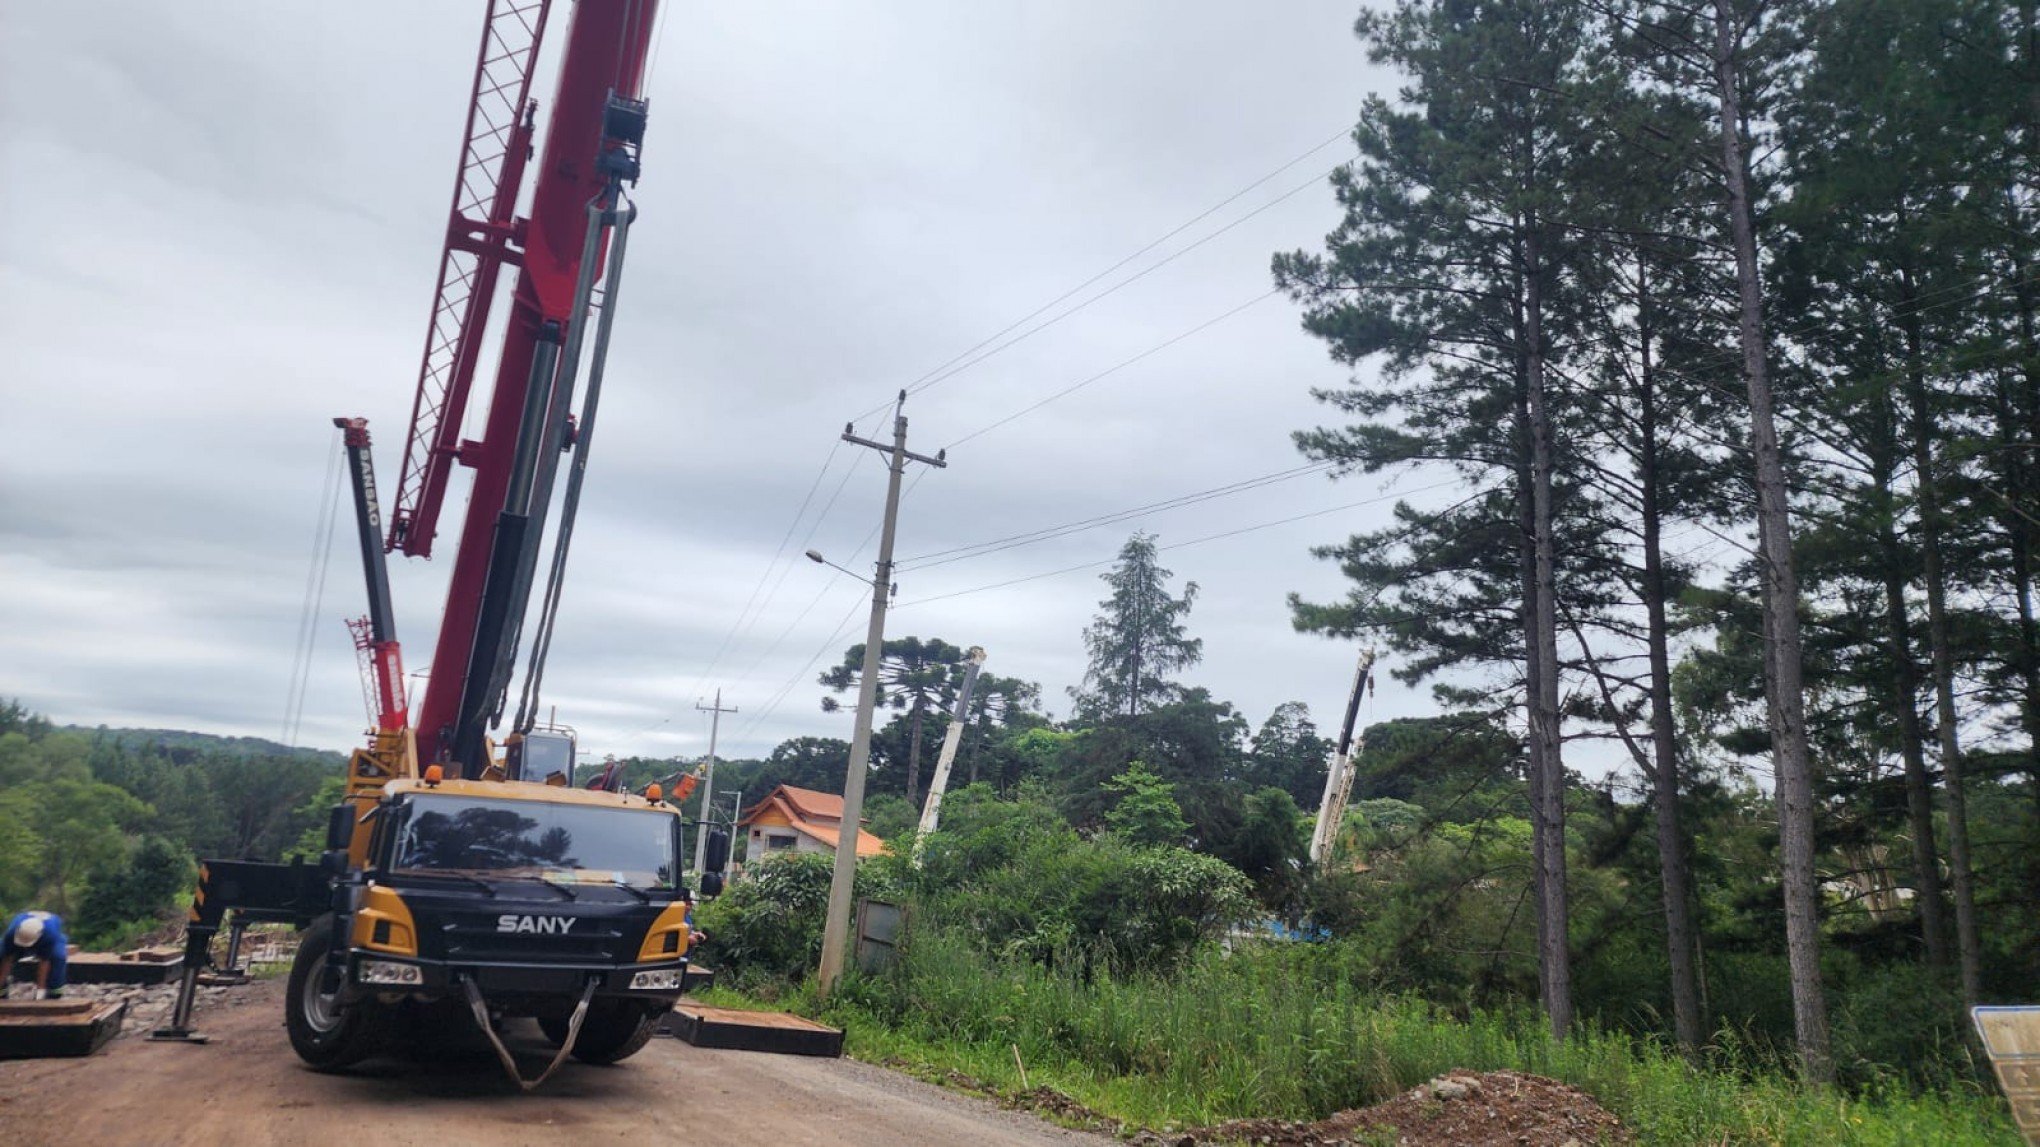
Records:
x=711, y=885
x=340, y=827
x=716, y=856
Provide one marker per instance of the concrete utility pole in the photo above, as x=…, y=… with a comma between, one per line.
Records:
x=931, y=810
x=708, y=777
x=1339, y=782
x=836, y=932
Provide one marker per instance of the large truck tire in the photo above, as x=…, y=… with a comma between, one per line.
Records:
x=613, y=1030
x=326, y=1036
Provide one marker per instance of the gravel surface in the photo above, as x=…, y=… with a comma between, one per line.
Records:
x=246, y=1088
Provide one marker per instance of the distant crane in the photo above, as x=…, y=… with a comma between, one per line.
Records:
x=1339, y=781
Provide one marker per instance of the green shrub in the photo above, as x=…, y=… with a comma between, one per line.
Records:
x=1028, y=887
x=768, y=926
x=124, y=902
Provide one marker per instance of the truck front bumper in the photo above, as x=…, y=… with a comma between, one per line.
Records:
x=378, y=974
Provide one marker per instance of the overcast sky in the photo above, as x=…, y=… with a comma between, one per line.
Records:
x=219, y=227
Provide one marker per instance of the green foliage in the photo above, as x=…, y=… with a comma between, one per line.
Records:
x=1288, y=753
x=767, y=927
x=100, y=826
x=889, y=817
x=1030, y=888
x=1271, y=848
x=1137, y=642
x=311, y=843
x=1293, y=1031
x=769, y=924
x=155, y=875
x=1145, y=811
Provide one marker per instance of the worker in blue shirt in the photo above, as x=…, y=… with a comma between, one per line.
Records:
x=38, y=934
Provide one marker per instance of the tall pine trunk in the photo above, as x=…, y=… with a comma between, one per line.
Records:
x=1674, y=877
x=1784, y=674
x=1905, y=684
x=1533, y=653
x=1548, y=798
x=1941, y=643
x=2019, y=430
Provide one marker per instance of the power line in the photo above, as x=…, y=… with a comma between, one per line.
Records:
x=943, y=370
x=748, y=616
x=315, y=596
x=780, y=695
x=1050, y=533
x=1378, y=499
x=1065, y=392
x=1314, y=181
x=745, y=613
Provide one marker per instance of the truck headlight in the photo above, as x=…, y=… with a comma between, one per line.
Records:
x=390, y=972
x=656, y=980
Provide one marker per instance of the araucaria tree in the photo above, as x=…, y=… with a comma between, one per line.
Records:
x=1137, y=642
x=915, y=675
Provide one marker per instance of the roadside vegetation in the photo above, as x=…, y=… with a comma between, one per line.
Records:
x=1034, y=959
x=103, y=826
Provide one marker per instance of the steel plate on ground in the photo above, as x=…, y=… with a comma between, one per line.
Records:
x=735, y=1030
x=33, y=1029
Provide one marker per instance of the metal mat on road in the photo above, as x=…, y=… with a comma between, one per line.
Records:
x=736, y=1030
x=35, y=1029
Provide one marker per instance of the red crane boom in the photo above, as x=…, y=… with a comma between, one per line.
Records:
x=482, y=234
x=603, y=62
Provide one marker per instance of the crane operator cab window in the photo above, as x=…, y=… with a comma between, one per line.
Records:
x=537, y=755
x=560, y=844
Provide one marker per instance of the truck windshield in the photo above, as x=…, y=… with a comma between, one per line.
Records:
x=561, y=842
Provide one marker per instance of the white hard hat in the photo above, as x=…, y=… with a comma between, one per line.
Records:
x=28, y=931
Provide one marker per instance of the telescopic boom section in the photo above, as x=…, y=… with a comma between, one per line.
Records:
x=380, y=639
x=604, y=58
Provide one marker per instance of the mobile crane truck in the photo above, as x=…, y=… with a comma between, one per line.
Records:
x=457, y=877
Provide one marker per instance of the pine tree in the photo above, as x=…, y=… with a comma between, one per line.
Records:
x=1456, y=268
x=1137, y=642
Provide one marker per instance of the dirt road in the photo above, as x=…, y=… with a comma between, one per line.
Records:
x=247, y=1089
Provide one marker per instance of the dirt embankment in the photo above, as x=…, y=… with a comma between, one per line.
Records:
x=1460, y=1109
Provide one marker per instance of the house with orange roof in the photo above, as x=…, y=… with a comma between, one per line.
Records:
x=793, y=819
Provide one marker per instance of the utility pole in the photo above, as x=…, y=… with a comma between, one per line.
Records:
x=1339, y=782
x=836, y=931
x=708, y=776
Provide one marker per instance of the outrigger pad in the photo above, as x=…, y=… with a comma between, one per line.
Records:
x=40, y=1028
x=178, y=1035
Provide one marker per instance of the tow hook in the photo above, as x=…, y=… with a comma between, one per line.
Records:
x=480, y=1008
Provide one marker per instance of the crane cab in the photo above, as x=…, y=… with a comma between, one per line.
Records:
x=540, y=755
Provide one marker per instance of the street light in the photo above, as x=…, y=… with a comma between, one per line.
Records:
x=816, y=557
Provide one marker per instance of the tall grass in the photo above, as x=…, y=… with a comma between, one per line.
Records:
x=1286, y=1032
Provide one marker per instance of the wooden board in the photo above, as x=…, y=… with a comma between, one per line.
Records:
x=32, y=1029
x=106, y=968
x=44, y=1011
x=775, y=1032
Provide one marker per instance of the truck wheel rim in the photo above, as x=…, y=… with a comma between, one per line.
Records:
x=318, y=1007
